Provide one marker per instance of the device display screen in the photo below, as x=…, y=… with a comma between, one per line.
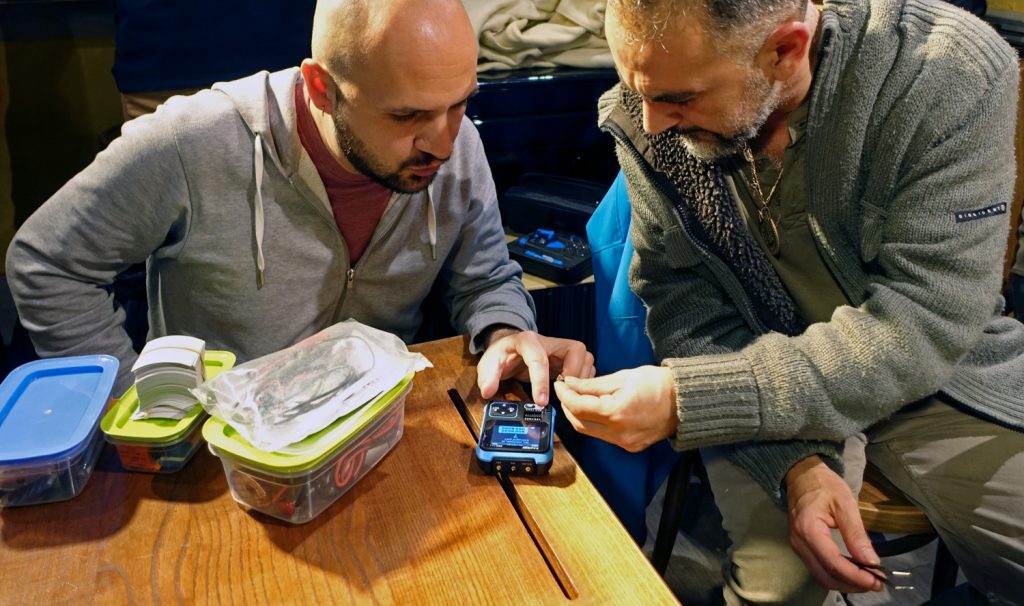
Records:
x=514, y=436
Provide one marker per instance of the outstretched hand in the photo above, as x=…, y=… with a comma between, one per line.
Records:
x=820, y=500
x=528, y=356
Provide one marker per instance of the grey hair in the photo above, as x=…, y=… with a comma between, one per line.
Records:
x=732, y=24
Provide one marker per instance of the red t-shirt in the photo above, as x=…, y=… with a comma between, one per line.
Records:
x=357, y=201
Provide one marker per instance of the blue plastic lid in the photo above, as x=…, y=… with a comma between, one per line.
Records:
x=48, y=408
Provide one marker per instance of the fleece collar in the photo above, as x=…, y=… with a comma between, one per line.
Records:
x=708, y=211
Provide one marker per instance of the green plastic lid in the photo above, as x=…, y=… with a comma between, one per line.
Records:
x=309, y=452
x=118, y=425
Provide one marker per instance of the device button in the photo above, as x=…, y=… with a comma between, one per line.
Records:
x=503, y=409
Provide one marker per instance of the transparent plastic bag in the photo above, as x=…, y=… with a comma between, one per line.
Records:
x=281, y=398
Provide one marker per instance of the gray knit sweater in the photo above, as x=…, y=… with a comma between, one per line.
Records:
x=910, y=172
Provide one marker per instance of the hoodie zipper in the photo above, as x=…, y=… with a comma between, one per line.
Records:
x=350, y=275
x=717, y=264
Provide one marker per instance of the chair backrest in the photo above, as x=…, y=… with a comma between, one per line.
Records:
x=884, y=508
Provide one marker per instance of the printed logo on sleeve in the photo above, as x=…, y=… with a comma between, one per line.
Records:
x=964, y=216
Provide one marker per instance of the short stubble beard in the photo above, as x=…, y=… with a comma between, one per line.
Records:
x=364, y=161
x=762, y=94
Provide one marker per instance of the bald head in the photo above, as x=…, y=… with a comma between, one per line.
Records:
x=392, y=80
x=336, y=28
x=350, y=34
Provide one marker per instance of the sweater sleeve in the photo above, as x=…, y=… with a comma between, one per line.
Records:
x=483, y=286
x=129, y=202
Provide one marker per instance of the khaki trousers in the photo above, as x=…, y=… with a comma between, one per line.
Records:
x=966, y=474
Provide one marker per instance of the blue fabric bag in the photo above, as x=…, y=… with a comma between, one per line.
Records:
x=627, y=480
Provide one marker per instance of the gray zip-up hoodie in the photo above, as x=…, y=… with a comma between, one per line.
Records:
x=216, y=193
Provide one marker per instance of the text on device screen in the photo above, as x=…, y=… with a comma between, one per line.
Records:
x=515, y=436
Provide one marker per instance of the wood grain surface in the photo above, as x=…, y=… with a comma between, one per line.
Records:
x=423, y=527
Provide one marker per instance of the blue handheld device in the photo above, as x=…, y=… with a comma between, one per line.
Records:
x=516, y=438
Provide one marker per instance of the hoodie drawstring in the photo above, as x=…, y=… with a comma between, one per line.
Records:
x=258, y=214
x=432, y=225
x=261, y=265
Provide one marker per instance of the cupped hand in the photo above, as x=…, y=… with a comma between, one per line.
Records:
x=631, y=408
x=819, y=500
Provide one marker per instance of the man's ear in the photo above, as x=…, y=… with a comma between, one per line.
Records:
x=319, y=85
x=784, y=50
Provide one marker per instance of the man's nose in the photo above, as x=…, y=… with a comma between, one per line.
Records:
x=659, y=117
x=438, y=136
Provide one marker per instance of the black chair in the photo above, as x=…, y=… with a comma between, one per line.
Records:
x=677, y=509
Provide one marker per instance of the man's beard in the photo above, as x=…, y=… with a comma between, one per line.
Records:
x=760, y=99
x=371, y=166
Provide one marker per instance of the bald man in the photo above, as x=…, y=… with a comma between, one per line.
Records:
x=271, y=207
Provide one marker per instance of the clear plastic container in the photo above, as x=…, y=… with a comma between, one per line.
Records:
x=299, y=482
x=159, y=445
x=56, y=481
x=49, y=427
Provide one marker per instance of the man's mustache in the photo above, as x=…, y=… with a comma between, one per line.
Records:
x=422, y=161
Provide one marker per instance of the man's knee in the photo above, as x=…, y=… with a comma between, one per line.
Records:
x=771, y=574
x=763, y=568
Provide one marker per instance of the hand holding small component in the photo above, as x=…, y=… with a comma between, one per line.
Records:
x=889, y=577
x=819, y=500
x=631, y=408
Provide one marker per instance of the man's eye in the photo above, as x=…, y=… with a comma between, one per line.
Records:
x=681, y=102
x=402, y=117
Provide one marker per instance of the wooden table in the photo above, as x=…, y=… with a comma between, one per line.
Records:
x=423, y=527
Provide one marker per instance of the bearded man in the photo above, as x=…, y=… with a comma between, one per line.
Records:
x=819, y=213
x=271, y=207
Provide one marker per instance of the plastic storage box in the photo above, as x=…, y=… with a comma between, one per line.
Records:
x=49, y=427
x=298, y=482
x=159, y=445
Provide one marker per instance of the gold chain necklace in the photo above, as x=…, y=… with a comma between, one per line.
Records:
x=765, y=219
